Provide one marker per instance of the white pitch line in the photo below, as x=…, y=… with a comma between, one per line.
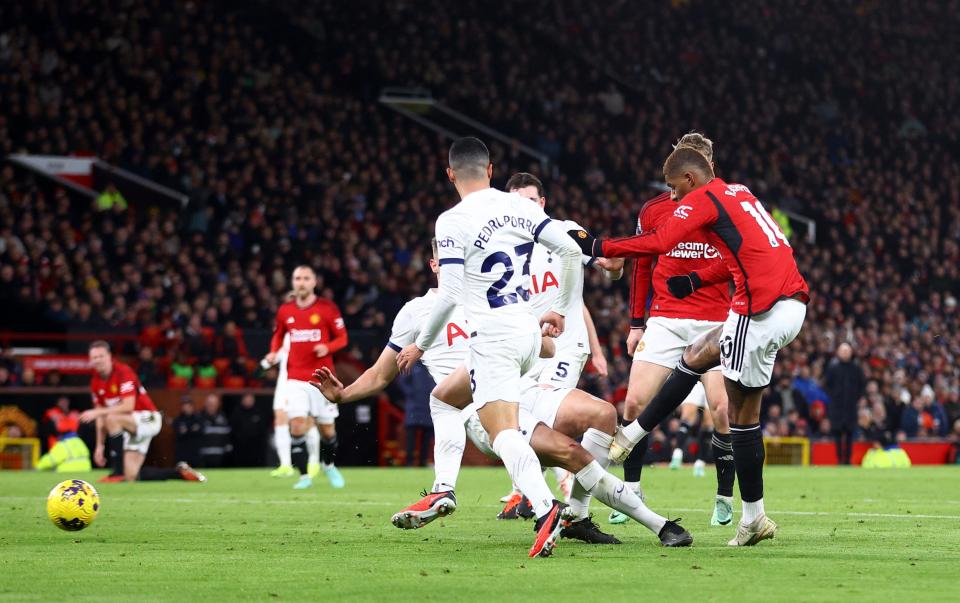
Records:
x=367, y=503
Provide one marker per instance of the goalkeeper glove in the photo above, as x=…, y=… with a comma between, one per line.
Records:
x=684, y=284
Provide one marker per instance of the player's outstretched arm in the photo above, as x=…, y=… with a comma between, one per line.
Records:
x=612, y=267
x=373, y=380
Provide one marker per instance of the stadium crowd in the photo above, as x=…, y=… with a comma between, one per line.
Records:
x=269, y=122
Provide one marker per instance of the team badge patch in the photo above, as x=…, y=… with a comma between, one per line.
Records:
x=640, y=346
x=314, y=319
x=113, y=389
x=582, y=234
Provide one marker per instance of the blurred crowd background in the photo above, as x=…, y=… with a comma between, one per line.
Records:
x=266, y=116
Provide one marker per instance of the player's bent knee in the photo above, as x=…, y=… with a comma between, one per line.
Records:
x=299, y=426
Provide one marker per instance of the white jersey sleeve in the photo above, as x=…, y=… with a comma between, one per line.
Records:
x=448, y=351
x=451, y=260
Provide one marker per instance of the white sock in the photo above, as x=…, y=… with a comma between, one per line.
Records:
x=524, y=468
x=449, y=438
x=597, y=444
x=632, y=485
x=633, y=432
x=281, y=437
x=313, y=445
x=615, y=494
x=751, y=510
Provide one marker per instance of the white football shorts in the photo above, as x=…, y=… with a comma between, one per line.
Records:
x=749, y=344
x=300, y=399
x=148, y=423
x=665, y=339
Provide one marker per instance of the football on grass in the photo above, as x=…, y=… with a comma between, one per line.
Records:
x=73, y=505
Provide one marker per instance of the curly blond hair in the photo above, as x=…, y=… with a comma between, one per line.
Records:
x=698, y=142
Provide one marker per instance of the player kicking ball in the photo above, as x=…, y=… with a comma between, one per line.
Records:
x=126, y=420
x=314, y=330
x=766, y=314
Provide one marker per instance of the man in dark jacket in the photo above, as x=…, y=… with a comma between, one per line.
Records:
x=844, y=382
x=249, y=430
x=188, y=427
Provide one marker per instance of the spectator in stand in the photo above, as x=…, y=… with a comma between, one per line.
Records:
x=215, y=446
x=6, y=377
x=28, y=378
x=230, y=345
x=844, y=383
x=110, y=199
x=249, y=430
x=188, y=427
x=939, y=424
x=147, y=369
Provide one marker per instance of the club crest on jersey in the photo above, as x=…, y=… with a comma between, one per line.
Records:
x=113, y=388
x=682, y=212
x=640, y=346
x=582, y=234
x=314, y=319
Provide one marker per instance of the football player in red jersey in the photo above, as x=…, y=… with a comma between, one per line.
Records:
x=766, y=314
x=657, y=344
x=126, y=415
x=316, y=332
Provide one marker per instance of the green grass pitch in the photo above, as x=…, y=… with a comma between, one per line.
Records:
x=846, y=534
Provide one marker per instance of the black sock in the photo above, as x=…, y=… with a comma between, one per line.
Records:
x=674, y=391
x=328, y=450
x=704, y=442
x=682, y=434
x=115, y=452
x=158, y=474
x=748, y=455
x=723, y=459
x=634, y=463
x=298, y=453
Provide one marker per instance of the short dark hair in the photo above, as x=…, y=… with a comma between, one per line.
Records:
x=100, y=343
x=305, y=267
x=684, y=159
x=469, y=157
x=523, y=180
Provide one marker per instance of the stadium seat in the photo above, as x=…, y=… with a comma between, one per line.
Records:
x=234, y=382
x=205, y=382
x=222, y=365
x=175, y=382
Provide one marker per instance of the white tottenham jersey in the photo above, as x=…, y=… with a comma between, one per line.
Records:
x=448, y=351
x=492, y=234
x=544, y=288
